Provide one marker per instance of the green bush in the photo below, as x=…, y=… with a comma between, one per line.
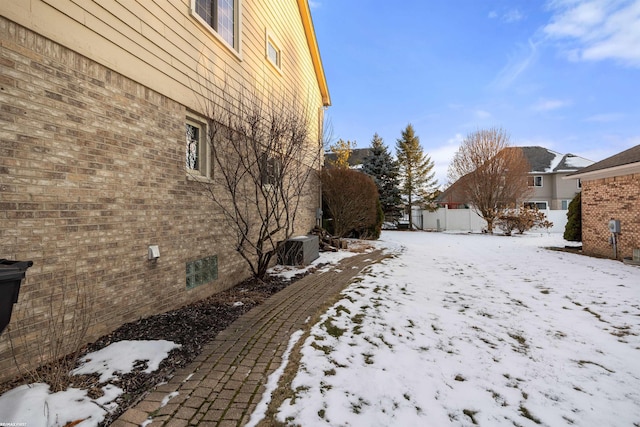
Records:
x=573, y=229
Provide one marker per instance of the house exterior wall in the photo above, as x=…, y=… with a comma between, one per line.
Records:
x=92, y=151
x=554, y=190
x=605, y=199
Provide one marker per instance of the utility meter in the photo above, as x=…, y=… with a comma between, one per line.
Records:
x=614, y=226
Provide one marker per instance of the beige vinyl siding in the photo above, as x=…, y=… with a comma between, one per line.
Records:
x=160, y=45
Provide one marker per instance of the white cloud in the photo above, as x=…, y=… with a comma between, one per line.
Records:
x=481, y=114
x=550, y=104
x=605, y=118
x=510, y=16
x=314, y=4
x=597, y=29
x=514, y=15
x=518, y=64
x=443, y=155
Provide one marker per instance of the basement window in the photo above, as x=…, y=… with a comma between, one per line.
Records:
x=201, y=271
x=196, y=147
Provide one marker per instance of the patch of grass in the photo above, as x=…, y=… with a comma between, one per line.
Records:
x=342, y=309
x=357, y=407
x=525, y=413
x=545, y=291
x=588, y=362
x=596, y=315
x=321, y=413
x=381, y=338
x=407, y=396
x=358, y=318
x=332, y=329
x=471, y=414
x=325, y=387
x=326, y=349
x=460, y=378
x=368, y=358
x=329, y=372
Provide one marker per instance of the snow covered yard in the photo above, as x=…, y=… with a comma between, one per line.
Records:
x=476, y=329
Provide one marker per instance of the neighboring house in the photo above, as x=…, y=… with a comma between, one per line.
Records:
x=96, y=97
x=356, y=158
x=611, y=191
x=548, y=168
x=548, y=188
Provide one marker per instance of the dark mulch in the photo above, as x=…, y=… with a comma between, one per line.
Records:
x=192, y=326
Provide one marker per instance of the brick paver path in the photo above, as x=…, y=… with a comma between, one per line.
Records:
x=223, y=385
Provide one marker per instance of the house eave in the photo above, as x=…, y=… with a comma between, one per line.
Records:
x=627, y=169
x=307, y=22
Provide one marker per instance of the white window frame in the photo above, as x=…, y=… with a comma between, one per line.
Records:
x=272, y=42
x=203, y=169
x=579, y=183
x=234, y=48
x=535, y=202
x=567, y=201
x=535, y=179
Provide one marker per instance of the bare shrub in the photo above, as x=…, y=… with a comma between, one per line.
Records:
x=47, y=352
x=265, y=159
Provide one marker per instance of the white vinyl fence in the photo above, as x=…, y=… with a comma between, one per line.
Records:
x=467, y=220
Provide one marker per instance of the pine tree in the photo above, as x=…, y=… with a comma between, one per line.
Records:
x=385, y=173
x=573, y=229
x=416, y=169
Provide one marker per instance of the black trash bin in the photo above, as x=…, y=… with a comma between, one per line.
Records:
x=11, y=275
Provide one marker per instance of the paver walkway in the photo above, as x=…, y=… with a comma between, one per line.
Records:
x=223, y=385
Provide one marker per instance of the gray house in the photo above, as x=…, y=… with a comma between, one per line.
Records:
x=548, y=168
x=548, y=189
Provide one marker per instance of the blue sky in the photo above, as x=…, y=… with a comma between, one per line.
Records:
x=562, y=74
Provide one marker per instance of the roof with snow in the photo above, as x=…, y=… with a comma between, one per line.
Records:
x=543, y=160
x=627, y=157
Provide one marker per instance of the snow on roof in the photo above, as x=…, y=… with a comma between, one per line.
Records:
x=577, y=162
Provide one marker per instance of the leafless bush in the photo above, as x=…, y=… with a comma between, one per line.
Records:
x=265, y=158
x=522, y=219
x=47, y=352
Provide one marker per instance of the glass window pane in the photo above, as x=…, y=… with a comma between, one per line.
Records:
x=192, y=146
x=273, y=53
x=225, y=24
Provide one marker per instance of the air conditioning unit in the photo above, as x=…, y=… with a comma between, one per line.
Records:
x=299, y=250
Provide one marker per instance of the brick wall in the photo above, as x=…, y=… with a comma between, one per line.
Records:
x=92, y=173
x=611, y=198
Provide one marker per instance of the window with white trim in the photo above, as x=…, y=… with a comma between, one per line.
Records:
x=269, y=170
x=565, y=205
x=273, y=51
x=196, y=147
x=579, y=183
x=222, y=17
x=535, y=181
x=536, y=205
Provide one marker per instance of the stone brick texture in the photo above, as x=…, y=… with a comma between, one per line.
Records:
x=606, y=199
x=92, y=173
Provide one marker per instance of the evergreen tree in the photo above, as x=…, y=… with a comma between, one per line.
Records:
x=573, y=229
x=416, y=169
x=385, y=173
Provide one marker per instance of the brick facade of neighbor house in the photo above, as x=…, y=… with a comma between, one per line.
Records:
x=611, y=198
x=611, y=190
x=92, y=172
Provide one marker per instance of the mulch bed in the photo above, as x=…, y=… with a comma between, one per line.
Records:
x=192, y=326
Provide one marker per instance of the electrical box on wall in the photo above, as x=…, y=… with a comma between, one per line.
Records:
x=614, y=226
